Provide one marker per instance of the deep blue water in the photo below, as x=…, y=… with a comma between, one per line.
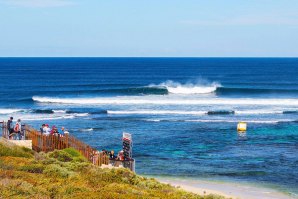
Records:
x=182, y=112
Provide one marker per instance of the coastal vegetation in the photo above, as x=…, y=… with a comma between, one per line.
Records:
x=67, y=174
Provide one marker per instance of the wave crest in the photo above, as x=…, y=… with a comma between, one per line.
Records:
x=167, y=101
x=188, y=88
x=9, y=111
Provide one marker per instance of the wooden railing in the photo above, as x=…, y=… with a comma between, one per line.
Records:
x=5, y=132
x=46, y=143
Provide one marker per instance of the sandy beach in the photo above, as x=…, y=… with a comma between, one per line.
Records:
x=227, y=189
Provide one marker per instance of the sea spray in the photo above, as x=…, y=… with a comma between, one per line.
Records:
x=200, y=87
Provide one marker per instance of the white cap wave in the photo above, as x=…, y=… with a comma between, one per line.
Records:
x=167, y=100
x=188, y=88
x=8, y=111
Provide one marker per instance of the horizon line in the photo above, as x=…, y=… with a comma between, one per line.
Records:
x=145, y=57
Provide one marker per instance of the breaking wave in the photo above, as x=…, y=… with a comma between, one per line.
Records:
x=9, y=111
x=199, y=87
x=188, y=88
x=166, y=101
x=157, y=112
x=181, y=112
x=223, y=121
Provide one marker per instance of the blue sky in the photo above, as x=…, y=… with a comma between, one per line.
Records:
x=138, y=28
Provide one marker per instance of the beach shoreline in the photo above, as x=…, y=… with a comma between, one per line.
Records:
x=226, y=189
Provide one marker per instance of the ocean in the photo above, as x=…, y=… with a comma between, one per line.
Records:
x=181, y=112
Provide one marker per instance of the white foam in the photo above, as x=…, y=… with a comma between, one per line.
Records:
x=167, y=100
x=41, y=118
x=179, y=112
x=80, y=114
x=86, y=130
x=9, y=111
x=152, y=120
x=59, y=111
x=28, y=116
x=189, y=88
x=258, y=112
x=54, y=117
x=157, y=112
x=223, y=121
x=234, y=121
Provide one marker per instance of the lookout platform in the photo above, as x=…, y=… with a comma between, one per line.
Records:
x=39, y=142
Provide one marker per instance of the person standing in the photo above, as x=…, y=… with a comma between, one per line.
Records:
x=112, y=155
x=18, y=129
x=10, y=127
x=64, y=131
x=41, y=128
x=46, y=130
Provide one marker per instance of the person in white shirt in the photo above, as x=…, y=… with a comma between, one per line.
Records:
x=46, y=130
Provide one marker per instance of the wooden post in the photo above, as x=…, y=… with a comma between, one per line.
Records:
x=66, y=140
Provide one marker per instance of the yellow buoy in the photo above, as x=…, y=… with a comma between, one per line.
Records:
x=241, y=126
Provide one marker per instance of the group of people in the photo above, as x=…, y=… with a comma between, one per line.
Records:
x=15, y=131
x=113, y=156
x=46, y=130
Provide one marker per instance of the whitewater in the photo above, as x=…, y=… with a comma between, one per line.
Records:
x=200, y=87
x=166, y=100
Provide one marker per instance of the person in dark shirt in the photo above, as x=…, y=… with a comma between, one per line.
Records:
x=41, y=128
x=10, y=126
x=112, y=155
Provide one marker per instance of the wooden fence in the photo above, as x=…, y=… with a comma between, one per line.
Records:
x=46, y=143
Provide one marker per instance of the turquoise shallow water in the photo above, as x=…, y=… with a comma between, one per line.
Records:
x=182, y=112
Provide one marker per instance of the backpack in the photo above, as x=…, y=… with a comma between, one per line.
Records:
x=17, y=128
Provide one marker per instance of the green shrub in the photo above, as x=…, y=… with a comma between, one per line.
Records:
x=15, y=151
x=72, y=152
x=80, y=159
x=76, y=155
x=40, y=156
x=61, y=156
x=54, y=170
x=27, y=150
x=78, y=166
x=49, y=161
x=33, y=168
